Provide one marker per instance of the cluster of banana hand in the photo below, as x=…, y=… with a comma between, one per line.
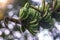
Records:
x=34, y=20
x=46, y=16
x=56, y=13
x=29, y=18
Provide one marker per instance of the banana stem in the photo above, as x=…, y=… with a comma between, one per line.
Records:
x=13, y=20
x=35, y=8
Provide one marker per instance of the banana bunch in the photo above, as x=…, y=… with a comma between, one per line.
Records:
x=29, y=18
x=56, y=12
x=46, y=16
x=33, y=25
x=23, y=15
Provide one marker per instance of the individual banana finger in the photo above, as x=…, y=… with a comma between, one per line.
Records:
x=33, y=28
x=47, y=16
x=34, y=25
x=33, y=21
x=21, y=12
x=26, y=17
x=32, y=12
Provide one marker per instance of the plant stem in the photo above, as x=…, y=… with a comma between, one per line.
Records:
x=35, y=8
x=13, y=20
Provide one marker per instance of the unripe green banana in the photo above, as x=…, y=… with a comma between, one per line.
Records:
x=33, y=21
x=57, y=6
x=34, y=24
x=24, y=18
x=33, y=28
x=48, y=15
x=23, y=12
x=46, y=10
x=32, y=12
